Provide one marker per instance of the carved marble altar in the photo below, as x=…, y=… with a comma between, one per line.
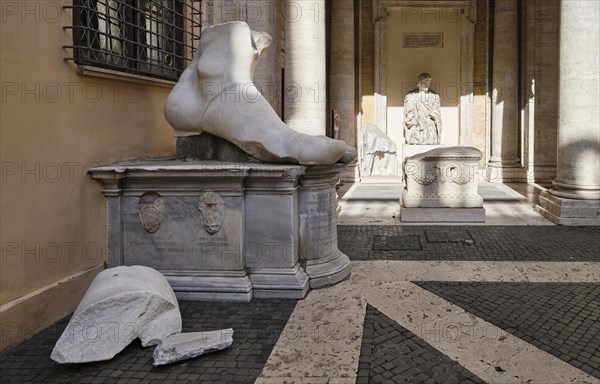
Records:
x=226, y=231
x=441, y=185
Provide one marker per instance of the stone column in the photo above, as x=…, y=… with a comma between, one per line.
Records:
x=574, y=198
x=266, y=16
x=341, y=80
x=305, y=60
x=504, y=163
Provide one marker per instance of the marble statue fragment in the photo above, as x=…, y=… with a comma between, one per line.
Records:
x=422, y=116
x=121, y=304
x=216, y=94
x=379, y=152
x=183, y=346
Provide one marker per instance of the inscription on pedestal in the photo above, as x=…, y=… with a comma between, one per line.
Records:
x=318, y=224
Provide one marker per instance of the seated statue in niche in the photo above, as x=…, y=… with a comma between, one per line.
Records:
x=216, y=94
x=422, y=117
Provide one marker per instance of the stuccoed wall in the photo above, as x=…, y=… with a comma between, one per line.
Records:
x=55, y=124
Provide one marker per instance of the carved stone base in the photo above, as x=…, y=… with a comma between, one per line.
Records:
x=226, y=231
x=192, y=285
x=442, y=215
x=328, y=272
x=279, y=283
x=564, y=211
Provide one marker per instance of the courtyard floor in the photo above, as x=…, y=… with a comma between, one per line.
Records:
x=513, y=300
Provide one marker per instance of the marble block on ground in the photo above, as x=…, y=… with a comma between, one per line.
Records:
x=121, y=304
x=183, y=346
x=442, y=178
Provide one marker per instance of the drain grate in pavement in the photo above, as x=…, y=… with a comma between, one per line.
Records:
x=396, y=243
x=450, y=235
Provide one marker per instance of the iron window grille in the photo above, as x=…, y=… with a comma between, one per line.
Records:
x=154, y=38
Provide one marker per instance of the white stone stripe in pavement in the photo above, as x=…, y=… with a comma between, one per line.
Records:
x=491, y=271
x=484, y=349
x=322, y=337
x=321, y=341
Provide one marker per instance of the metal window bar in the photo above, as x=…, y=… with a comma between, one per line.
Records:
x=149, y=37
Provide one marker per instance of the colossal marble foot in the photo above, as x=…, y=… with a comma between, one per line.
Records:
x=215, y=94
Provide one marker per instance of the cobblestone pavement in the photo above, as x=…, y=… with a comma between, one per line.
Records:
x=561, y=319
x=486, y=243
x=257, y=326
x=392, y=354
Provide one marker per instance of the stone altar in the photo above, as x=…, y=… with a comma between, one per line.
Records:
x=441, y=185
x=225, y=231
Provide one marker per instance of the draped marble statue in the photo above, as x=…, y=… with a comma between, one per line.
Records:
x=422, y=116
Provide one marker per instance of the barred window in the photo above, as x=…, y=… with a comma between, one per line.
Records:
x=147, y=37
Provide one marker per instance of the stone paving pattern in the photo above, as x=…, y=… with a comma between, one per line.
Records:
x=392, y=354
x=562, y=319
x=256, y=325
x=470, y=243
x=559, y=318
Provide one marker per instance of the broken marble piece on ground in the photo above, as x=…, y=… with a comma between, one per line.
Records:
x=121, y=304
x=185, y=346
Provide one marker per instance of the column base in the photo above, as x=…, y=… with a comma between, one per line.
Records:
x=504, y=174
x=323, y=273
x=541, y=173
x=570, y=212
x=279, y=283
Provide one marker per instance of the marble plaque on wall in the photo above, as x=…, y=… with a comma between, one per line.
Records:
x=423, y=40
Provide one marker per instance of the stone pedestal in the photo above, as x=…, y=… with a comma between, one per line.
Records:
x=441, y=185
x=325, y=263
x=225, y=231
